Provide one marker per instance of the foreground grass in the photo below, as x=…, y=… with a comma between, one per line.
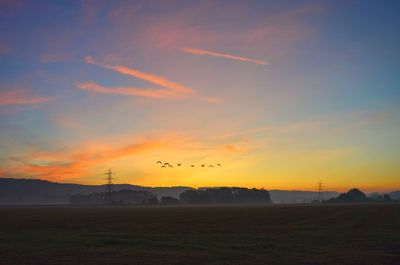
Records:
x=333, y=234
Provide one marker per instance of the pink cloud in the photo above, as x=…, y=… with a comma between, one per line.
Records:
x=4, y=47
x=152, y=78
x=223, y=55
x=181, y=28
x=21, y=97
x=169, y=89
x=129, y=91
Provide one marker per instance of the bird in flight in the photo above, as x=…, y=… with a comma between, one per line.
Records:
x=166, y=164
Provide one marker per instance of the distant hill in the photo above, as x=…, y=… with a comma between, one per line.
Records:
x=32, y=191
x=299, y=196
x=121, y=197
x=395, y=195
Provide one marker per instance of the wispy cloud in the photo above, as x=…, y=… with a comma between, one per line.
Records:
x=84, y=159
x=58, y=57
x=69, y=164
x=169, y=89
x=331, y=125
x=128, y=91
x=152, y=78
x=21, y=97
x=4, y=47
x=223, y=55
x=232, y=148
x=281, y=128
x=274, y=32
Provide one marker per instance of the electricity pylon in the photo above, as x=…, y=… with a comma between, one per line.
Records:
x=109, y=185
x=320, y=192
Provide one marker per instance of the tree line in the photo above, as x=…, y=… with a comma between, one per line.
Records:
x=222, y=195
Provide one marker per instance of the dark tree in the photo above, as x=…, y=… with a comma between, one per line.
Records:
x=225, y=195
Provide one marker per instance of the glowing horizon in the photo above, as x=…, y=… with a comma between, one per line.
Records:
x=288, y=95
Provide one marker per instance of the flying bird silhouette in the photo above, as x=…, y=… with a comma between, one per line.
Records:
x=210, y=166
x=219, y=165
x=170, y=165
x=159, y=162
x=163, y=166
x=202, y=165
x=179, y=164
x=192, y=165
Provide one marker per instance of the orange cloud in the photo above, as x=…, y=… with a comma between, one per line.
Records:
x=20, y=97
x=169, y=89
x=223, y=55
x=233, y=148
x=70, y=164
x=84, y=160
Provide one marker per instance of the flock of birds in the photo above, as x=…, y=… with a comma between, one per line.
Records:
x=168, y=165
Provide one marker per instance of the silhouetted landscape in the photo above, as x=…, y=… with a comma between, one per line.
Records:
x=30, y=191
x=357, y=196
x=33, y=191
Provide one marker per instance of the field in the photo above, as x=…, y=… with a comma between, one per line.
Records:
x=276, y=234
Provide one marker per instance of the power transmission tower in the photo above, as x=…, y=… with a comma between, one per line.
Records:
x=109, y=185
x=320, y=192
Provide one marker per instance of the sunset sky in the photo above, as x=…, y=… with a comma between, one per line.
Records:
x=283, y=94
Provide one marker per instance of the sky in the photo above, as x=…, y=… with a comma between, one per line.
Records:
x=282, y=94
